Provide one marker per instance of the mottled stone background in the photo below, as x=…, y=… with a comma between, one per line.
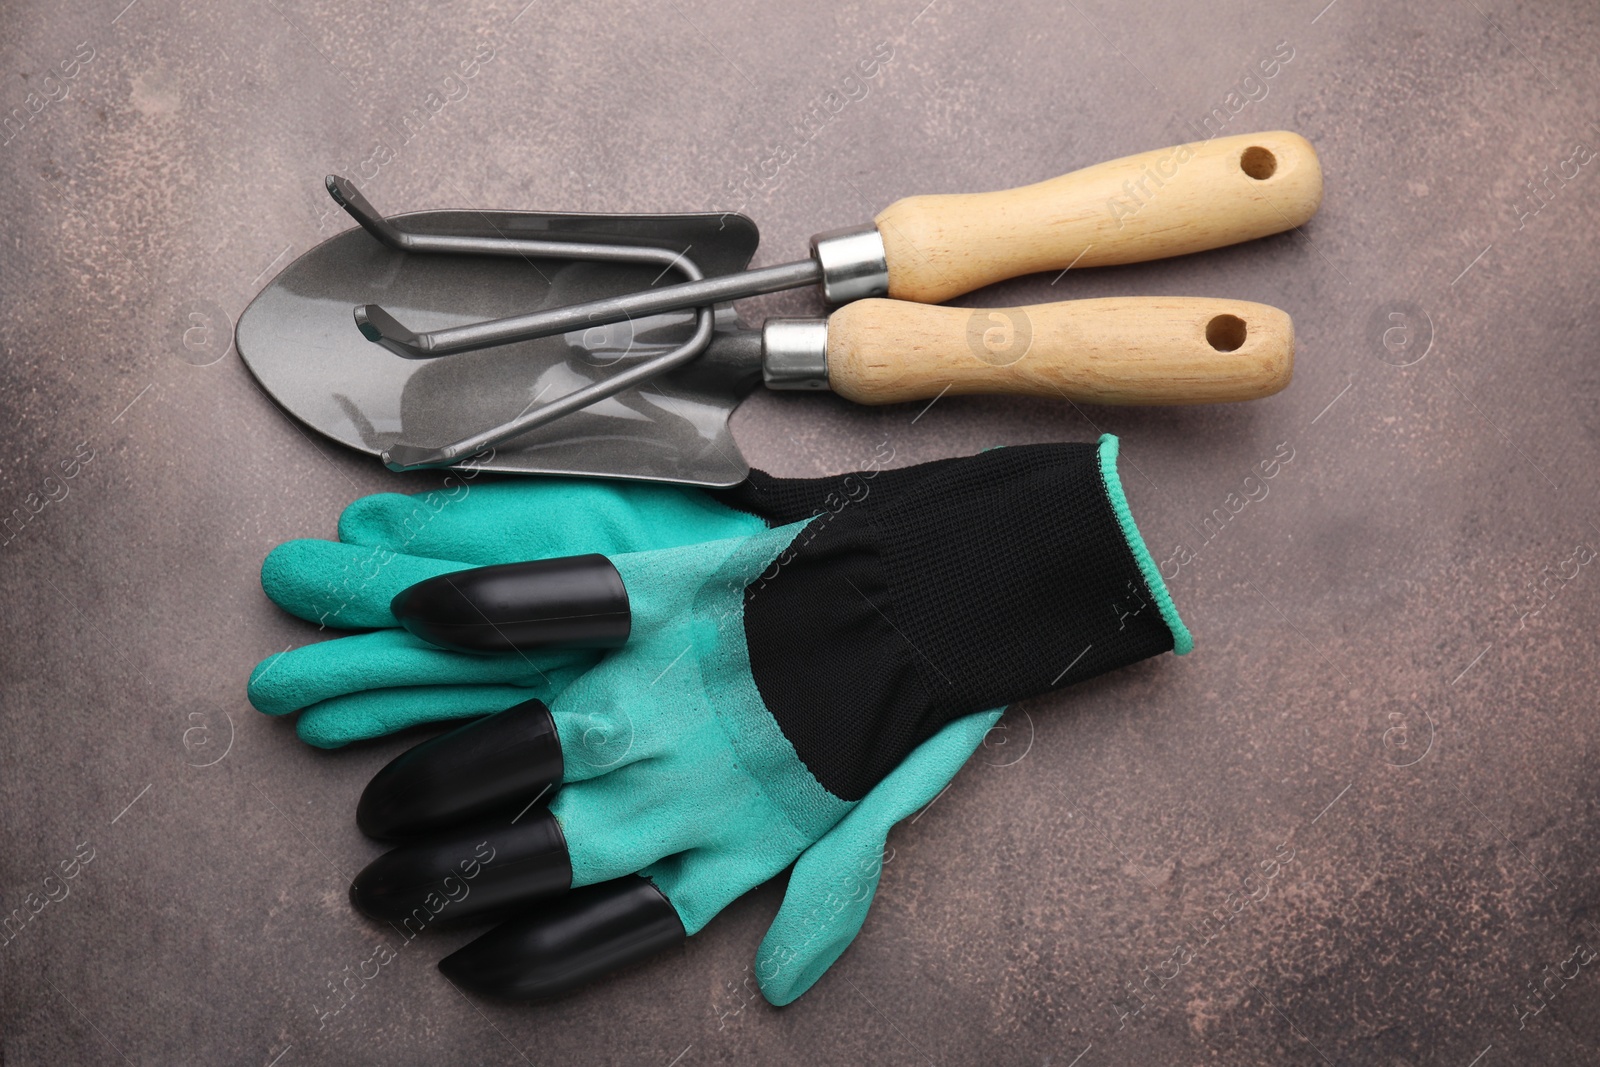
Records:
x=1393, y=692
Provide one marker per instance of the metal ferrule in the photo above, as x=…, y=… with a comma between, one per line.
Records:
x=794, y=353
x=853, y=263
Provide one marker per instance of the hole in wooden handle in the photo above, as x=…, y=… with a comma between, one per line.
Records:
x=1258, y=162
x=1226, y=333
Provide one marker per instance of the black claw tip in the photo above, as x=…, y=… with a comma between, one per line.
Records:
x=566, y=602
x=561, y=945
x=503, y=761
x=467, y=877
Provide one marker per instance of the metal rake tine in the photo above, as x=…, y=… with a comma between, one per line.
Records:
x=347, y=196
x=404, y=457
x=697, y=292
x=380, y=327
x=358, y=207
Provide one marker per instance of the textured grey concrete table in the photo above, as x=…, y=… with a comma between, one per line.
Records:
x=1388, y=724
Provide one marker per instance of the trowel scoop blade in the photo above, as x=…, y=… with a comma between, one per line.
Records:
x=299, y=340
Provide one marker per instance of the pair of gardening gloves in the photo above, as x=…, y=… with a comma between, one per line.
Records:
x=809, y=662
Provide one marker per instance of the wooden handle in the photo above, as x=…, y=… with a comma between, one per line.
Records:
x=1122, y=350
x=1164, y=203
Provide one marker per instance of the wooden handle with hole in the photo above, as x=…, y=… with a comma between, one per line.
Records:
x=1122, y=350
x=1169, y=202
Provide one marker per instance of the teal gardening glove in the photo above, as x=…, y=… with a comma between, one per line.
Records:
x=809, y=663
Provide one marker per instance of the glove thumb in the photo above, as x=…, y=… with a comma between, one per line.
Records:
x=835, y=879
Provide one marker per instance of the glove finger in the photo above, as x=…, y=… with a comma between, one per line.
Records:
x=704, y=837
x=384, y=659
x=634, y=815
x=510, y=521
x=591, y=828
x=701, y=882
x=835, y=879
x=341, y=585
x=619, y=823
x=377, y=712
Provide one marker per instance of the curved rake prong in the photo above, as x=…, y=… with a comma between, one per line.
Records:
x=404, y=457
x=347, y=196
x=380, y=327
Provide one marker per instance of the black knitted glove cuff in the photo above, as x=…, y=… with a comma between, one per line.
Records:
x=920, y=595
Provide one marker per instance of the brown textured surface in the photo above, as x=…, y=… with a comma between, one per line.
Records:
x=1367, y=689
